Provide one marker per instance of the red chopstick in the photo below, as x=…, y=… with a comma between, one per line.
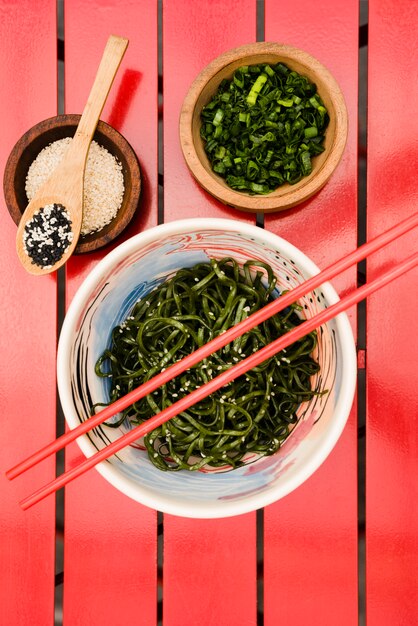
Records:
x=224, y=378
x=216, y=344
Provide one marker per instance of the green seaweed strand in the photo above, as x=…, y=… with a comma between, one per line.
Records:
x=254, y=413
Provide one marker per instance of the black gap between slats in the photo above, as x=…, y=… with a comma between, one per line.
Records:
x=60, y=422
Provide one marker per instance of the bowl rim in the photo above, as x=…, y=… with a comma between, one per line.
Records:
x=202, y=509
x=112, y=135
x=309, y=185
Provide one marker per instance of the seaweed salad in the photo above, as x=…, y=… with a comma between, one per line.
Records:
x=254, y=413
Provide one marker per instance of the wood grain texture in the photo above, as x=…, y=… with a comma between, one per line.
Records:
x=110, y=540
x=205, y=86
x=28, y=338
x=392, y=338
x=209, y=565
x=311, y=535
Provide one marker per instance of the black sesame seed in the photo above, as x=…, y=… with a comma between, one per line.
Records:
x=48, y=235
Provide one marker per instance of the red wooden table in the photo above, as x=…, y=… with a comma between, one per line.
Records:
x=297, y=562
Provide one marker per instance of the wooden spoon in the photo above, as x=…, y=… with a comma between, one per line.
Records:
x=65, y=186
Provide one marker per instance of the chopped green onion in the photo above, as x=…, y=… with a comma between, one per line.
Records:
x=314, y=102
x=218, y=117
x=268, y=115
x=285, y=103
x=311, y=132
x=255, y=89
x=257, y=188
x=306, y=163
x=219, y=168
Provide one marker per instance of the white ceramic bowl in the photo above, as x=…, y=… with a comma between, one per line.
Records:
x=105, y=299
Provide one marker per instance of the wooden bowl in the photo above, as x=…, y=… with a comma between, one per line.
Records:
x=205, y=86
x=52, y=129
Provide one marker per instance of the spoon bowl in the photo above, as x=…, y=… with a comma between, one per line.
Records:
x=65, y=189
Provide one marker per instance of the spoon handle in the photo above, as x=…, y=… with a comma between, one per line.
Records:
x=109, y=64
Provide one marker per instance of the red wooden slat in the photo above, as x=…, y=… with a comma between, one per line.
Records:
x=28, y=337
x=392, y=338
x=209, y=566
x=310, y=562
x=195, y=33
x=110, y=540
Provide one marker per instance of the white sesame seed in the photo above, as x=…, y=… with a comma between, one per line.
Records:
x=103, y=182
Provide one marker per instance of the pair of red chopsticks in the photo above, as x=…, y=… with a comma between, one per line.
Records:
x=237, y=370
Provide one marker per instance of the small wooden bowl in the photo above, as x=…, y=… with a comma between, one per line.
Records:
x=205, y=86
x=50, y=130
